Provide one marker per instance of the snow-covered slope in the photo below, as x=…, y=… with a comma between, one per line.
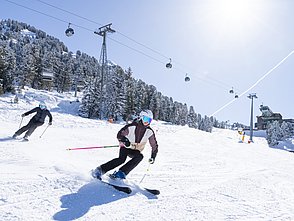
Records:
x=201, y=176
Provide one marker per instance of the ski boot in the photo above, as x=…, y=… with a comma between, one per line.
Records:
x=25, y=138
x=119, y=175
x=97, y=173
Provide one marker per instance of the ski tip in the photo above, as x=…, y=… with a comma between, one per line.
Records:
x=128, y=191
x=153, y=191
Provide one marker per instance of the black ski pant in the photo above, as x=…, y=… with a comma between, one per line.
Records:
x=123, y=154
x=30, y=127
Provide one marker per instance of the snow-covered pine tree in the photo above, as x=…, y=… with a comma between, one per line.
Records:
x=172, y=112
x=163, y=111
x=130, y=83
x=286, y=130
x=154, y=104
x=121, y=94
x=208, y=124
x=3, y=67
x=141, y=95
x=63, y=73
x=7, y=67
x=33, y=66
x=90, y=107
x=192, y=118
x=116, y=95
x=274, y=133
x=199, y=122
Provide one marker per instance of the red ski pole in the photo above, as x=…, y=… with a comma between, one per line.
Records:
x=87, y=148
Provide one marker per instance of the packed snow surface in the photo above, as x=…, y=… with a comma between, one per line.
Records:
x=201, y=176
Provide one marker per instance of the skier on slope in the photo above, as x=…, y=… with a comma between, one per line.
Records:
x=132, y=140
x=36, y=121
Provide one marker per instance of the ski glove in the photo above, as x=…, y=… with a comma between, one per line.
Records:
x=23, y=115
x=151, y=160
x=125, y=141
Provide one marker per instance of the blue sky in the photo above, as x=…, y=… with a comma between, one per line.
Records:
x=220, y=44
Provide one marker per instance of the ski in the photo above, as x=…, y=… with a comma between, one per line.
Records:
x=153, y=191
x=124, y=189
x=6, y=139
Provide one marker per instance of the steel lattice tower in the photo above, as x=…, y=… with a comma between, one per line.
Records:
x=103, y=55
x=104, y=67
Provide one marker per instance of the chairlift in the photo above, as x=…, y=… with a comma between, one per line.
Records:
x=69, y=31
x=169, y=65
x=187, y=78
x=232, y=91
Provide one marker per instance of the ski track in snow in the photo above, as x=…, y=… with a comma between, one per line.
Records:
x=201, y=176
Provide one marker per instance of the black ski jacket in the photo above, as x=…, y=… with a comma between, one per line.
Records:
x=40, y=115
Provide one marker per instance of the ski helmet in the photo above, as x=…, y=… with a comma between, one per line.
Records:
x=42, y=105
x=146, y=116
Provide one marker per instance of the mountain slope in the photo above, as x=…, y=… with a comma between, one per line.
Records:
x=201, y=176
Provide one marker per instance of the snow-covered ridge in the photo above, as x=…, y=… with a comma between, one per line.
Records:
x=201, y=176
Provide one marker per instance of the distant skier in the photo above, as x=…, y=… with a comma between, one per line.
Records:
x=132, y=140
x=36, y=121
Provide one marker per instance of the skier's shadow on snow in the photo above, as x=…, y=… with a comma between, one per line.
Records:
x=78, y=204
x=92, y=194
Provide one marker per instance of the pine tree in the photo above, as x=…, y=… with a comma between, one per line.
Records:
x=164, y=110
x=2, y=70
x=130, y=109
x=89, y=107
x=286, y=130
x=7, y=67
x=154, y=98
x=64, y=73
x=192, y=118
x=33, y=66
x=116, y=94
x=274, y=133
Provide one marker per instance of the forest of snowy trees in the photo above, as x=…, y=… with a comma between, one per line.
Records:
x=277, y=131
x=30, y=57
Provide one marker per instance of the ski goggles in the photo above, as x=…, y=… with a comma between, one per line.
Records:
x=42, y=106
x=146, y=119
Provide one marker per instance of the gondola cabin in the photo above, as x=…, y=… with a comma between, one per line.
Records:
x=69, y=31
x=169, y=65
x=187, y=78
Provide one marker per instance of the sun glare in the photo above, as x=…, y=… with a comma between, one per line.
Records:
x=233, y=19
x=234, y=11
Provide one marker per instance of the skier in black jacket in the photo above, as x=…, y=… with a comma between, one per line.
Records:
x=36, y=121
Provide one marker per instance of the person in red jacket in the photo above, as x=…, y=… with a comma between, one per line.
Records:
x=132, y=140
x=37, y=120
